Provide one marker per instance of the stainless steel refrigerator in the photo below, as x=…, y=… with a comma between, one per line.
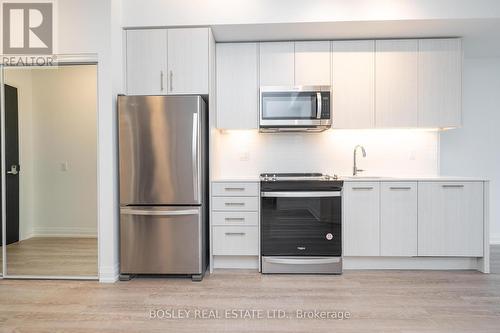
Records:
x=163, y=185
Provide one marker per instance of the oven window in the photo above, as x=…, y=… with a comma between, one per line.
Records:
x=289, y=105
x=301, y=226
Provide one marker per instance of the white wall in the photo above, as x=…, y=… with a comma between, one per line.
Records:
x=474, y=149
x=57, y=123
x=389, y=152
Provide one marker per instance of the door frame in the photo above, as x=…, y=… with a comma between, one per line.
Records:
x=61, y=60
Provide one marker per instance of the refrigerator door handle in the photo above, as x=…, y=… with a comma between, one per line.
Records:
x=195, y=155
x=136, y=211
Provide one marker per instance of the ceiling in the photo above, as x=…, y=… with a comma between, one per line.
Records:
x=481, y=36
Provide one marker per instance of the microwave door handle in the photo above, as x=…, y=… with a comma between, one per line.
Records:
x=318, y=105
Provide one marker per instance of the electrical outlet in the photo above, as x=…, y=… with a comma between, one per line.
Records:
x=64, y=166
x=412, y=155
x=244, y=156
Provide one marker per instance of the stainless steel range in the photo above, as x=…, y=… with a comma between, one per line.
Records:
x=301, y=223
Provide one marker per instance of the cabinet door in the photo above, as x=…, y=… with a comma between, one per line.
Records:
x=146, y=61
x=450, y=219
x=188, y=61
x=237, y=86
x=312, y=63
x=439, y=82
x=396, y=83
x=353, y=84
x=362, y=219
x=277, y=64
x=398, y=219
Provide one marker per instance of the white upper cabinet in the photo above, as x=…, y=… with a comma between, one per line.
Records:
x=450, y=219
x=353, y=84
x=439, y=82
x=188, y=61
x=398, y=219
x=237, y=85
x=361, y=219
x=396, y=83
x=277, y=64
x=312, y=63
x=146, y=62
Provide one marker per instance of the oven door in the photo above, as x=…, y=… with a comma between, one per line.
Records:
x=301, y=223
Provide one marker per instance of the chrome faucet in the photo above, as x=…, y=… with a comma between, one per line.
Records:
x=355, y=169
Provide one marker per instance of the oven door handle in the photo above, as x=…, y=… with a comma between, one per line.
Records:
x=301, y=194
x=318, y=105
x=311, y=261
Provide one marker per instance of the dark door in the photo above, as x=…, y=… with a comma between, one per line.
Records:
x=11, y=164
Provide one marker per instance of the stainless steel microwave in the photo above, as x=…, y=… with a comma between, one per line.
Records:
x=295, y=108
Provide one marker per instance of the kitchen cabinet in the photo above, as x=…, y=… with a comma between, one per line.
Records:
x=276, y=64
x=312, y=63
x=188, y=61
x=167, y=61
x=396, y=83
x=353, y=84
x=398, y=219
x=237, y=85
x=361, y=219
x=234, y=223
x=450, y=219
x=146, y=61
x=439, y=82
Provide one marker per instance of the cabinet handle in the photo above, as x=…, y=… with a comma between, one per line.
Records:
x=171, y=77
x=400, y=188
x=161, y=80
x=234, y=203
x=453, y=186
x=363, y=188
x=235, y=233
x=234, y=219
x=234, y=188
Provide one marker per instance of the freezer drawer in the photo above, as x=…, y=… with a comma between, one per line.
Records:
x=161, y=240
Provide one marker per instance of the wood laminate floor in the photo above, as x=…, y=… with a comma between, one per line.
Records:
x=68, y=256
x=378, y=301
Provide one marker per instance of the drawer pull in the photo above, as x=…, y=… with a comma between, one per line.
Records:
x=453, y=186
x=367, y=188
x=234, y=188
x=400, y=188
x=234, y=218
x=234, y=203
x=235, y=233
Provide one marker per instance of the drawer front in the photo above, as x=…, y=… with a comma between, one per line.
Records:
x=235, y=240
x=235, y=189
x=235, y=203
x=235, y=218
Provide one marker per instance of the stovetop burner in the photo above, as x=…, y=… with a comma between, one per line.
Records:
x=296, y=176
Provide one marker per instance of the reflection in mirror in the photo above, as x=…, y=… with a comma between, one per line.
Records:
x=51, y=164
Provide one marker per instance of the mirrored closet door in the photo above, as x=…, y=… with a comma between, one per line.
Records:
x=50, y=172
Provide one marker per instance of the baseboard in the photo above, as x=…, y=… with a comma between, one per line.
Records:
x=64, y=232
x=109, y=274
x=495, y=239
x=411, y=263
x=236, y=262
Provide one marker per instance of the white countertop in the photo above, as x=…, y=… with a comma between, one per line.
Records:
x=370, y=179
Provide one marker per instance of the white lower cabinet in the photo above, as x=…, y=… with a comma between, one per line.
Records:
x=414, y=219
x=362, y=219
x=398, y=219
x=235, y=224
x=235, y=240
x=450, y=219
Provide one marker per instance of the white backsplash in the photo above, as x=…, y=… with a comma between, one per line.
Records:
x=394, y=152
